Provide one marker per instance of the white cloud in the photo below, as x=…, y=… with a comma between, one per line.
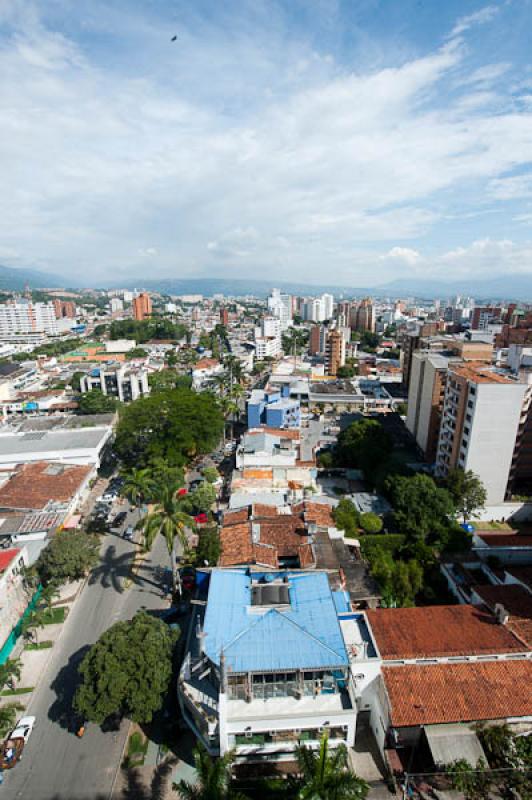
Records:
x=513, y=188
x=224, y=151
x=480, y=17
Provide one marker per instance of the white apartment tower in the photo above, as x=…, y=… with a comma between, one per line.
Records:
x=26, y=317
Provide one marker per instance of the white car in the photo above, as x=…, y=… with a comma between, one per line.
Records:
x=23, y=729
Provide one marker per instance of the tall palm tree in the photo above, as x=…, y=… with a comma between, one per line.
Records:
x=214, y=779
x=168, y=519
x=324, y=774
x=138, y=485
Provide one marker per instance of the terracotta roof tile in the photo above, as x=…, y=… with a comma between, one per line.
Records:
x=439, y=631
x=232, y=517
x=262, y=510
x=35, y=484
x=517, y=601
x=283, y=536
x=7, y=556
x=441, y=693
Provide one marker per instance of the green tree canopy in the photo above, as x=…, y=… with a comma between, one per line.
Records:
x=211, y=474
x=213, y=779
x=69, y=556
x=168, y=379
x=399, y=581
x=370, y=523
x=208, y=549
x=346, y=517
x=324, y=774
x=144, y=330
x=364, y=445
x=127, y=671
x=174, y=425
x=136, y=352
x=467, y=492
x=95, y=402
x=421, y=509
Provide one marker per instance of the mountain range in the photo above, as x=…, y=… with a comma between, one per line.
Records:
x=510, y=287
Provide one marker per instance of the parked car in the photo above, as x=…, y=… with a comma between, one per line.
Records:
x=129, y=532
x=23, y=729
x=119, y=519
x=188, y=578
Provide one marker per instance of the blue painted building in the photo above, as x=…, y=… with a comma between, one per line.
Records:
x=273, y=408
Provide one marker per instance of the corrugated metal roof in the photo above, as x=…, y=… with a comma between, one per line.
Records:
x=306, y=636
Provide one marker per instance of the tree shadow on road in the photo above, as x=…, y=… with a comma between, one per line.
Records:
x=140, y=787
x=64, y=685
x=114, y=569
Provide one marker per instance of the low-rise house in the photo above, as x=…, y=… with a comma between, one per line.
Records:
x=444, y=665
x=44, y=486
x=204, y=372
x=274, y=660
x=262, y=535
x=274, y=409
x=510, y=547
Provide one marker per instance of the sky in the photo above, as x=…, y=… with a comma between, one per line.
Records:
x=347, y=142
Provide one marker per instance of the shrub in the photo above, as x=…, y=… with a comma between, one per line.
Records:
x=370, y=523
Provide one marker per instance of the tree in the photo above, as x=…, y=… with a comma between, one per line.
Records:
x=138, y=485
x=211, y=474
x=136, y=352
x=473, y=782
x=203, y=498
x=364, y=444
x=75, y=380
x=324, y=774
x=168, y=519
x=168, y=379
x=100, y=330
x=369, y=341
x=209, y=548
x=347, y=371
x=399, y=581
x=127, y=671
x=421, y=509
x=10, y=670
x=175, y=425
x=370, y=523
x=467, y=491
x=346, y=517
x=95, y=402
x=8, y=716
x=69, y=557
x=295, y=341
x=31, y=623
x=213, y=781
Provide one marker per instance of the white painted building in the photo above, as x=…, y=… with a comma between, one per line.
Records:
x=27, y=318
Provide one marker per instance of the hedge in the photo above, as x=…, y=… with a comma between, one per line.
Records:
x=390, y=542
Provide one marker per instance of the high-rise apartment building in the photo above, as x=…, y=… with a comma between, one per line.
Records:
x=268, y=338
x=482, y=316
x=18, y=317
x=117, y=305
x=224, y=316
x=142, y=306
x=428, y=377
x=481, y=415
x=335, y=352
x=327, y=305
x=64, y=308
x=363, y=316
x=280, y=306
x=318, y=340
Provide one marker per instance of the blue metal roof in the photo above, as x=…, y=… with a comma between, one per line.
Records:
x=306, y=636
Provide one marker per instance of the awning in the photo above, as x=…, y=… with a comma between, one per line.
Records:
x=452, y=742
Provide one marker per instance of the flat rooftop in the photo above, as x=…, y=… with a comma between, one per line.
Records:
x=479, y=372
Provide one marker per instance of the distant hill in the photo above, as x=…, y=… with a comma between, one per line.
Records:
x=233, y=286
x=14, y=279
x=508, y=287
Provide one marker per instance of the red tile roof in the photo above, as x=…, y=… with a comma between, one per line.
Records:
x=279, y=537
x=33, y=485
x=441, y=693
x=7, y=556
x=509, y=539
x=439, y=631
x=517, y=602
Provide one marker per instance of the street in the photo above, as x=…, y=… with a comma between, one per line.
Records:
x=56, y=764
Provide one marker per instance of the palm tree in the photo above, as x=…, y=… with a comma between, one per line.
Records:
x=324, y=774
x=11, y=669
x=8, y=715
x=168, y=519
x=138, y=485
x=214, y=779
x=30, y=625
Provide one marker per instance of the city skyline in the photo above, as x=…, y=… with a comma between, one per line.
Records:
x=367, y=144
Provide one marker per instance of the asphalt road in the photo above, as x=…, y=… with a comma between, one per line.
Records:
x=56, y=764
